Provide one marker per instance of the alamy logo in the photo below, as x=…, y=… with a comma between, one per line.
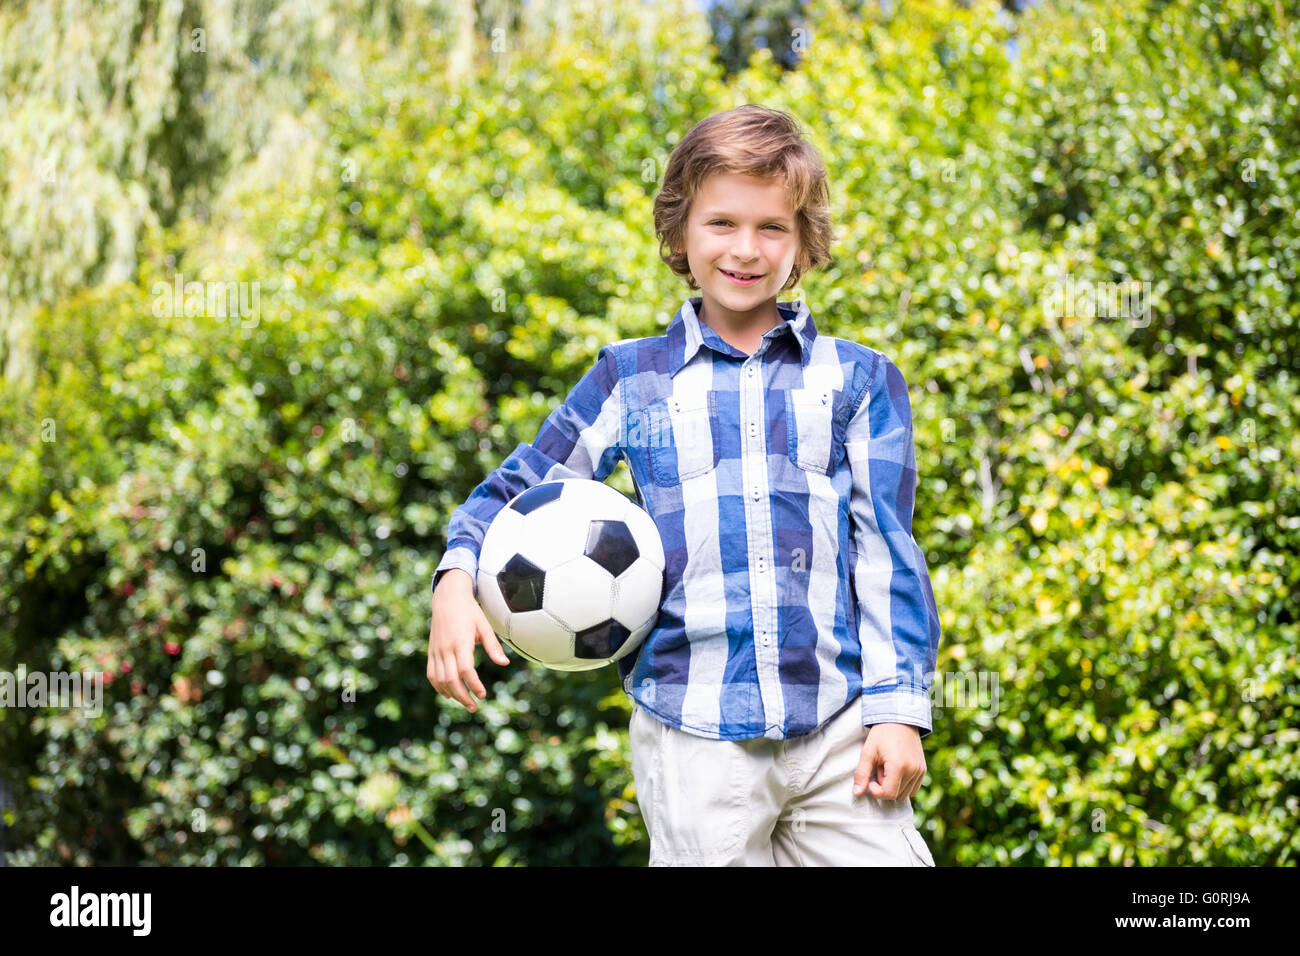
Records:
x=1130, y=299
x=102, y=909
x=644, y=429
x=56, y=689
x=214, y=299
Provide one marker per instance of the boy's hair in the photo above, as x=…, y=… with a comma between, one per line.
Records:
x=750, y=141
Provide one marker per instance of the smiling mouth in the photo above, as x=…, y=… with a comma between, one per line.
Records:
x=737, y=275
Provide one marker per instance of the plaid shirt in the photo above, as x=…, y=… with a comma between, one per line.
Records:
x=782, y=484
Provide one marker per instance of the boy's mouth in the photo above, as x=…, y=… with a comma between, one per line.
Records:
x=741, y=276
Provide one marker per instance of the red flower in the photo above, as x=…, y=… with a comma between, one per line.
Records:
x=128, y=589
x=172, y=648
x=126, y=667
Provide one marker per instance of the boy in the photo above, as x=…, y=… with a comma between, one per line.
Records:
x=789, y=662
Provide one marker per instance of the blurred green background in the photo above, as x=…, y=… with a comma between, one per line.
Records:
x=439, y=211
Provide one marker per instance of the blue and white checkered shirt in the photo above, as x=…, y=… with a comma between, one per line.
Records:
x=782, y=484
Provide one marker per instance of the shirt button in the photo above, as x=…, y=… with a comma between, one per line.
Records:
x=751, y=371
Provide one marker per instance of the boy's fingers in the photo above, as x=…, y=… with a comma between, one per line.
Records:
x=866, y=763
x=490, y=643
x=887, y=782
x=466, y=672
x=454, y=682
x=914, y=785
x=905, y=787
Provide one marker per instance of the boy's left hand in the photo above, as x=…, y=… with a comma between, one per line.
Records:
x=896, y=750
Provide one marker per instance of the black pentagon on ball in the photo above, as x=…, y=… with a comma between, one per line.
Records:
x=521, y=584
x=600, y=642
x=611, y=545
x=535, y=497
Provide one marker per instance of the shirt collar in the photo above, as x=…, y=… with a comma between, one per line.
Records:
x=686, y=332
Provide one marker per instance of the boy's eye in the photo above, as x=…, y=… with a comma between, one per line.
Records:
x=723, y=222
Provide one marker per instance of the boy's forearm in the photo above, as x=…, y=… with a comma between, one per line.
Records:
x=460, y=581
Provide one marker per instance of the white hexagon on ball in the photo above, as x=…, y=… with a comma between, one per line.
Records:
x=546, y=638
x=579, y=593
x=636, y=594
x=551, y=535
x=501, y=541
x=577, y=499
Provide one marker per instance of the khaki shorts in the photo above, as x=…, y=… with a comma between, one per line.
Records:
x=765, y=802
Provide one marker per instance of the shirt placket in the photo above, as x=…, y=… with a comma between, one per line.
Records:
x=758, y=523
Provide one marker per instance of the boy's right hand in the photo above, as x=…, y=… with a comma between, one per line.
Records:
x=458, y=624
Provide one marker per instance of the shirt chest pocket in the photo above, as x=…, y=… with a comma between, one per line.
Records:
x=814, y=435
x=684, y=439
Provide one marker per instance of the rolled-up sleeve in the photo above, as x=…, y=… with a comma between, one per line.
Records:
x=898, y=624
x=579, y=439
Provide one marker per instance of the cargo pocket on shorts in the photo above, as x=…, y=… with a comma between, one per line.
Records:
x=916, y=844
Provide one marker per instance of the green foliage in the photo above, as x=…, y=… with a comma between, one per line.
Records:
x=237, y=516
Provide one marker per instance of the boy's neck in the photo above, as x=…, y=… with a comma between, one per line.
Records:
x=741, y=331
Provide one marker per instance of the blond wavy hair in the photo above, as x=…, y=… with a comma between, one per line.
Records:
x=749, y=141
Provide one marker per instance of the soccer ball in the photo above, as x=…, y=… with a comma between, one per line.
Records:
x=571, y=573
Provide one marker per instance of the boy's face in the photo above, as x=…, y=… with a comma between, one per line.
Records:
x=741, y=224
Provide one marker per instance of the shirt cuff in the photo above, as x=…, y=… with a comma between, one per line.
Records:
x=462, y=558
x=897, y=707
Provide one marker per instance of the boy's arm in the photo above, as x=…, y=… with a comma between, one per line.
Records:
x=579, y=439
x=898, y=624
